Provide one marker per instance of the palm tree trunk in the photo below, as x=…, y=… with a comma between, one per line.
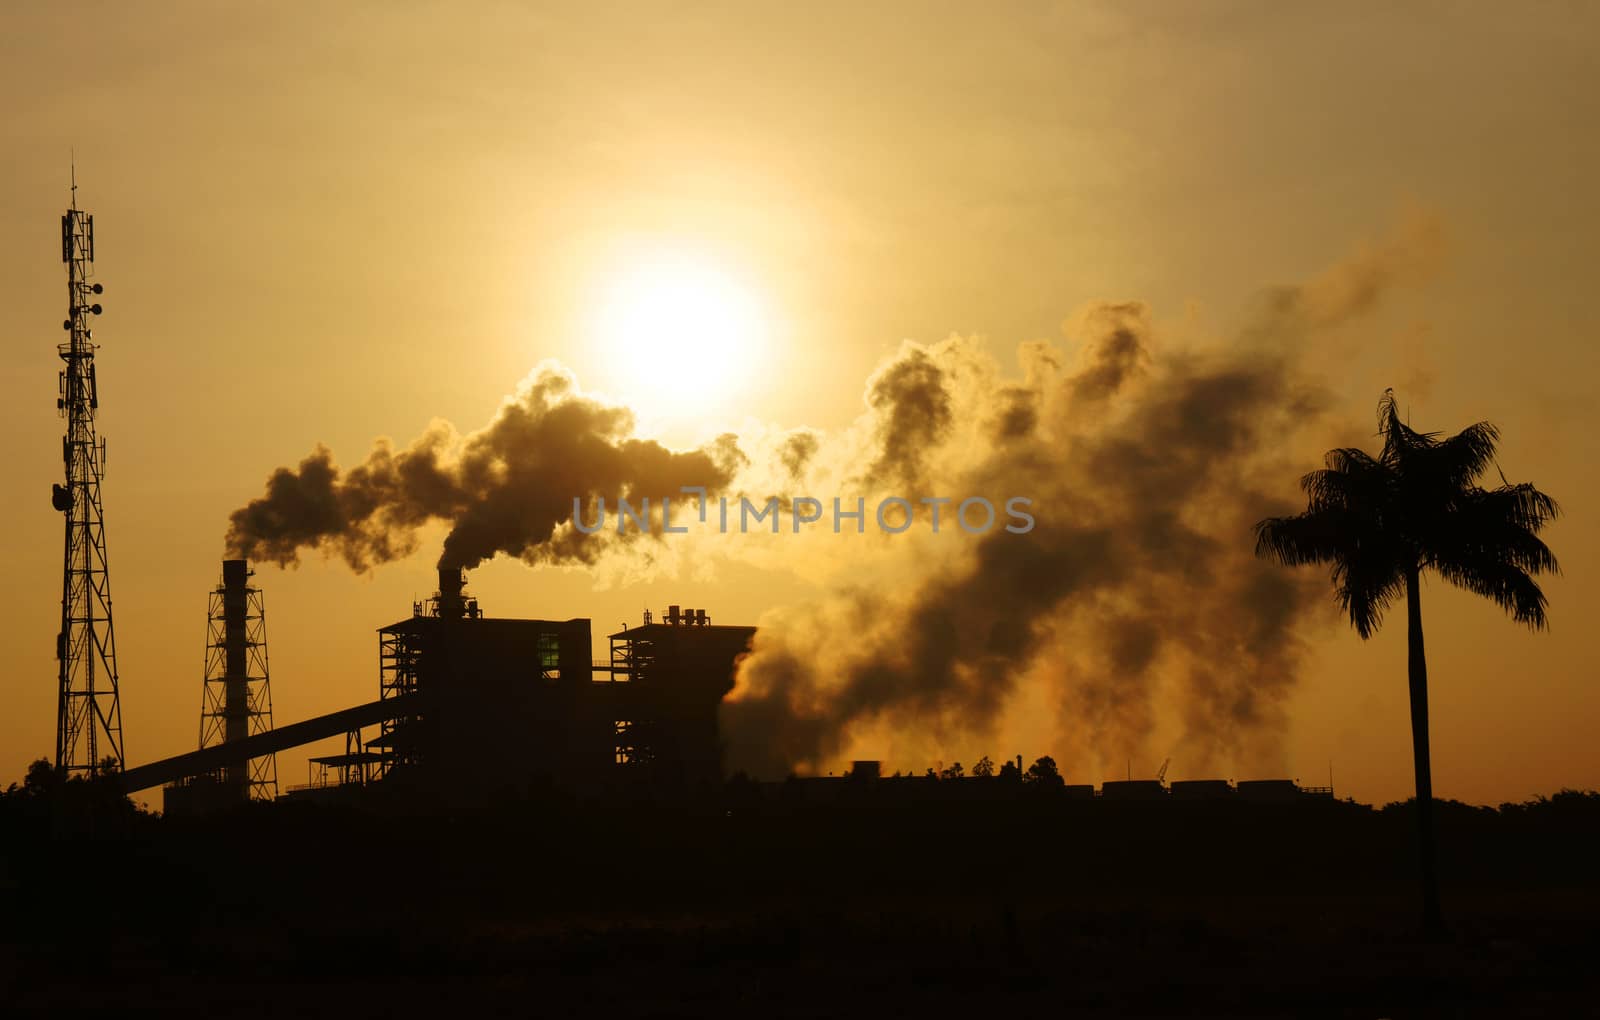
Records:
x=1417, y=664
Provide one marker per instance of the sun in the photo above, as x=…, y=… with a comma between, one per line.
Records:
x=679, y=334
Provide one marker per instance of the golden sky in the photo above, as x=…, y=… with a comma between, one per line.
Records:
x=323, y=225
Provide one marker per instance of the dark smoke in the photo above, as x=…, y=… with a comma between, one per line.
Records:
x=1018, y=414
x=505, y=489
x=1117, y=355
x=796, y=452
x=914, y=414
x=1135, y=605
x=1137, y=551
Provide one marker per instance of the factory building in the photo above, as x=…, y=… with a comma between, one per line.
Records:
x=498, y=704
x=511, y=705
x=472, y=708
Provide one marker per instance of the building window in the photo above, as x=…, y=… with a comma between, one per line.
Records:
x=550, y=656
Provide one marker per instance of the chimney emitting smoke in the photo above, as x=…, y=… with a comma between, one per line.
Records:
x=236, y=680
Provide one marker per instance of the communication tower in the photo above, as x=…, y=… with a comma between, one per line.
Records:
x=88, y=713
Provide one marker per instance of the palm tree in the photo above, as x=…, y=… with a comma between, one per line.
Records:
x=1417, y=506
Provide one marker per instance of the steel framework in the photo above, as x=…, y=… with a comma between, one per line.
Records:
x=399, y=661
x=88, y=711
x=633, y=657
x=402, y=649
x=237, y=694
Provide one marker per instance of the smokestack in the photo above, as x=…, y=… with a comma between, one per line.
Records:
x=235, y=678
x=451, y=582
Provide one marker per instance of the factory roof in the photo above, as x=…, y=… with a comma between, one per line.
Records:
x=655, y=630
x=424, y=622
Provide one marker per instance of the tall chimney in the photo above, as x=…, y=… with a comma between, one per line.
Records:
x=235, y=677
x=451, y=582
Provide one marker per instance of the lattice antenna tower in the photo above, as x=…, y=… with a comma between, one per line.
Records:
x=88, y=712
x=237, y=697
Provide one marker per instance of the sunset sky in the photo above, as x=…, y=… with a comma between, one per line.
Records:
x=330, y=223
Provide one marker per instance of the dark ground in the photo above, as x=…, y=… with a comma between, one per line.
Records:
x=760, y=905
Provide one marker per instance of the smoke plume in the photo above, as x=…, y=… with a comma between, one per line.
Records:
x=507, y=488
x=1134, y=610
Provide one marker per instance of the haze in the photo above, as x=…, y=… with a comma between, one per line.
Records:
x=322, y=227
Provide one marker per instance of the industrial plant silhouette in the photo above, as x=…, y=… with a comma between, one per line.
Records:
x=473, y=708
x=516, y=824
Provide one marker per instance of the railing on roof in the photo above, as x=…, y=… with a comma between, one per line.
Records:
x=331, y=781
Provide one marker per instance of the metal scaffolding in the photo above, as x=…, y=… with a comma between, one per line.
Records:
x=237, y=698
x=88, y=711
x=399, y=659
